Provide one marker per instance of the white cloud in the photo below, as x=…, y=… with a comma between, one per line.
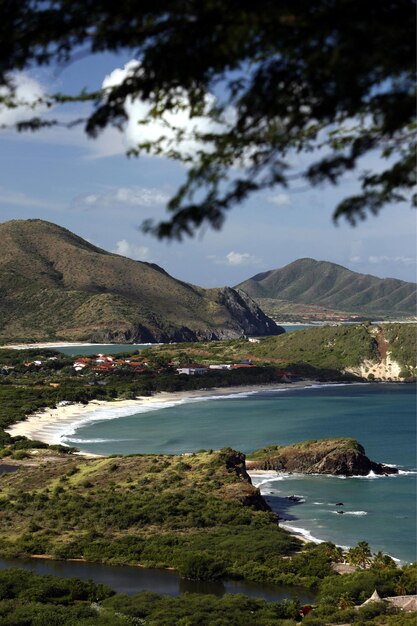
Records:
x=281, y=199
x=141, y=196
x=142, y=127
x=138, y=253
x=403, y=260
x=27, y=91
x=147, y=197
x=235, y=259
x=355, y=259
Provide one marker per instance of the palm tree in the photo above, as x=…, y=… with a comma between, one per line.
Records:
x=360, y=555
x=336, y=554
x=382, y=561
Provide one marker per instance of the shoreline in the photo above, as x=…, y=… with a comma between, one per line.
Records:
x=265, y=476
x=50, y=425
x=64, y=344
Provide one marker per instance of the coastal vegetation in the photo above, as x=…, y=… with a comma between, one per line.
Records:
x=335, y=456
x=36, y=600
x=33, y=379
x=197, y=513
x=159, y=511
x=323, y=353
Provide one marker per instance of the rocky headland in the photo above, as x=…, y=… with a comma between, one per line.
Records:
x=338, y=457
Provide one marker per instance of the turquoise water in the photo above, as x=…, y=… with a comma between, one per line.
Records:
x=289, y=328
x=110, y=348
x=380, y=510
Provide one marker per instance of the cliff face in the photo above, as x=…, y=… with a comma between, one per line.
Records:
x=235, y=463
x=339, y=457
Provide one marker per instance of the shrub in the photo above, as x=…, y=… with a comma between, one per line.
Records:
x=19, y=455
x=200, y=566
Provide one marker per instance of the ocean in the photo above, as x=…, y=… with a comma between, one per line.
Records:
x=380, y=510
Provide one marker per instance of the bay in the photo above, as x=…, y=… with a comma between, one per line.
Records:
x=381, y=416
x=108, y=348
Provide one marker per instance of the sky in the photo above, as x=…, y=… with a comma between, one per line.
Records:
x=92, y=188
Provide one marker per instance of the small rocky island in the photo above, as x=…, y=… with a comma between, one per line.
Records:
x=338, y=457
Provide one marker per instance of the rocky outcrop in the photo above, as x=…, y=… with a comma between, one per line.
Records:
x=235, y=462
x=338, y=457
x=246, y=313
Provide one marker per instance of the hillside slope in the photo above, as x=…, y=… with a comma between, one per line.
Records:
x=54, y=285
x=328, y=285
x=370, y=351
x=380, y=352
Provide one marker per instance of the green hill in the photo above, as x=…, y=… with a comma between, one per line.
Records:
x=372, y=351
x=383, y=352
x=330, y=286
x=56, y=286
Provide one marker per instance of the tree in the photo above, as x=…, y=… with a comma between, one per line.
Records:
x=360, y=555
x=382, y=561
x=345, y=602
x=257, y=82
x=335, y=553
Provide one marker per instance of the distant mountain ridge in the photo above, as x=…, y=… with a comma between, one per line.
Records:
x=55, y=285
x=325, y=284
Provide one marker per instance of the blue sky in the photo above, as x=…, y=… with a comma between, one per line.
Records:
x=93, y=189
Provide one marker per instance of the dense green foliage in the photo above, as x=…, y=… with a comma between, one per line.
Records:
x=331, y=346
x=193, y=513
x=334, y=287
x=293, y=77
x=33, y=600
x=155, y=510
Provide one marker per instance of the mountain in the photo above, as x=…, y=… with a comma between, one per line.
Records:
x=57, y=286
x=330, y=286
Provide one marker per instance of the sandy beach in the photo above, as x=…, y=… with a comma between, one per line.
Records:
x=51, y=424
x=61, y=344
x=50, y=344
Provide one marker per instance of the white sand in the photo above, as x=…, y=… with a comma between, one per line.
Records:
x=67, y=344
x=50, y=344
x=50, y=425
